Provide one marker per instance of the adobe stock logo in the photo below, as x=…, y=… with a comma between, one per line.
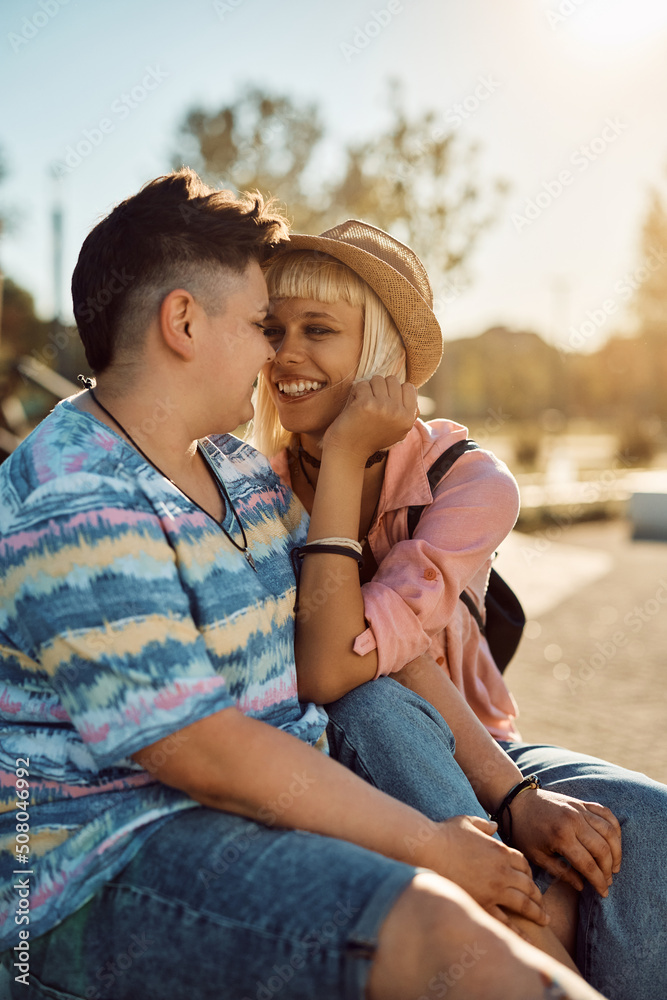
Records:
x=581, y=158
x=122, y=107
x=365, y=33
x=31, y=26
x=85, y=312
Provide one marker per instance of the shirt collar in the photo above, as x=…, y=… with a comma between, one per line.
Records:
x=408, y=462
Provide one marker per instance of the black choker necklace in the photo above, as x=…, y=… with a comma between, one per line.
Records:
x=376, y=457
x=224, y=496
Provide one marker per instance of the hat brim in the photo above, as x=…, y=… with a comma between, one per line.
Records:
x=414, y=318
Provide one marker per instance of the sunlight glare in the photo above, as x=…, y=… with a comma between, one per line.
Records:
x=617, y=22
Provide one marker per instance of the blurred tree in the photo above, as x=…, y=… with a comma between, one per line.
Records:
x=8, y=216
x=22, y=404
x=417, y=180
x=650, y=301
x=414, y=177
x=650, y=307
x=22, y=331
x=260, y=140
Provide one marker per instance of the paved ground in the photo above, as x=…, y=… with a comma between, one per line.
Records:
x=591, y=671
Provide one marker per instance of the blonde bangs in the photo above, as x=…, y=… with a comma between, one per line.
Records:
x=304, y=274
x=307, y=275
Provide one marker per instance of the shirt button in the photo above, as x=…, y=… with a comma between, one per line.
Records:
x=430, y=574
x=440, y=661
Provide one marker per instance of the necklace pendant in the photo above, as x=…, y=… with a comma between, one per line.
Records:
x=250, y=559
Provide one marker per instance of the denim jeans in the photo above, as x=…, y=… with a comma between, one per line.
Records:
x=622, y=940
x=216, y=906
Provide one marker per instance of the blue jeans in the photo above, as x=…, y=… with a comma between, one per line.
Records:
x=398, y=742
x=622, y=940
x=216, y=906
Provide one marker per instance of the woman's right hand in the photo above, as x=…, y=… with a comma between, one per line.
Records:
x=377, y=414
x=464, y=850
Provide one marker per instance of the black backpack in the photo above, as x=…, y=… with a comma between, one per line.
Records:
x=505, y=617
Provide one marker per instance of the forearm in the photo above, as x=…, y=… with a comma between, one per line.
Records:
x=327, y=627
x=230, y=762
x=490, y=771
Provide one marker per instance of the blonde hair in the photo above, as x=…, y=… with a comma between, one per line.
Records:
x=305, y=274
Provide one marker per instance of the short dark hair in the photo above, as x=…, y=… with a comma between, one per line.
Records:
x=175, y=231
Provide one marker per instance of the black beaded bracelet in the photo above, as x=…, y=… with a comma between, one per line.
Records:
x=338, y=550
x=532, y=781
x=296, y=555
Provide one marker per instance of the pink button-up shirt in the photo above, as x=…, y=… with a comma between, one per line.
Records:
x=412, y=604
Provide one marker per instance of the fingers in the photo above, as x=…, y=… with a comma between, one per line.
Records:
x=410, y=398
x=570, y=838
x=529, y=906
x=592, y=858
x=520, y=894
x=608, y=826
x=560, y=869
x=589, y=857
x=390, y=387
x=485, y=825
x=493, y=874
x=596, y=851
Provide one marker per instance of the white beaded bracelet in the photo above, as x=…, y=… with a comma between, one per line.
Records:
x=348, y=543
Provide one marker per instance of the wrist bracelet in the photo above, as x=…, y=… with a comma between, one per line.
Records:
x=348, y=543
x=532, y=781
x=338, y=550
x=296, y=555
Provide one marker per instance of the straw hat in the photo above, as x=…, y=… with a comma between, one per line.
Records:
x=396, y=275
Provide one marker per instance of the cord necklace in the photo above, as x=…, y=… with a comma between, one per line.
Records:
x=373, y=460
x=222, y=490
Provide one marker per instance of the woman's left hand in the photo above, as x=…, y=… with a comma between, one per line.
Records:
x=548, y=826
x=378, y=413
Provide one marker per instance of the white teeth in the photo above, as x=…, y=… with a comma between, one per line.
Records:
x=296, y=388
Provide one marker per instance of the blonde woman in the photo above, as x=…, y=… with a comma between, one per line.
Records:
x=353, y=329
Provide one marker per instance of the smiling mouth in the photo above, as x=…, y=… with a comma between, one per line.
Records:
x=298, y=388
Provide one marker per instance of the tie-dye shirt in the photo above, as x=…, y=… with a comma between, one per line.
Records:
x=126, y=614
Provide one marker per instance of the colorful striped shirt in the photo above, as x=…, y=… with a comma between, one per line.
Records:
x=126, y=614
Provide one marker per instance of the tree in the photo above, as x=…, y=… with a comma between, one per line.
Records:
x=649, y=280
x=414, y=177
x=417, y=179
x=259, y=141
x=22, y=331
x=650, y=301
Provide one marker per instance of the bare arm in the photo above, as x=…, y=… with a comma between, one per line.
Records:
x=378, y=414
x=547, y=826
x=231, y=762
x=327, y=666
x=487, y=767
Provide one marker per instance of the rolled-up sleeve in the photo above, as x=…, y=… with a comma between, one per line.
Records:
x=416, y=588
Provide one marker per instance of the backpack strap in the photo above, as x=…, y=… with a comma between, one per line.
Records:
x=505, y=618
x=440, y=467
x=473, y=609
x=437, y=471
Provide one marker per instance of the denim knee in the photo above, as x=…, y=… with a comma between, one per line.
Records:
x=389, y=710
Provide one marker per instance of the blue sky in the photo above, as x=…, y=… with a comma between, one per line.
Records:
x=574, y=121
